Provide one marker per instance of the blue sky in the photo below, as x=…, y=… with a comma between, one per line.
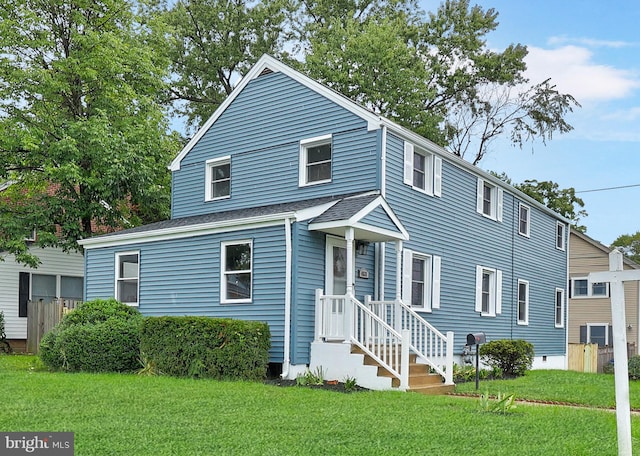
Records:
x=591, y=50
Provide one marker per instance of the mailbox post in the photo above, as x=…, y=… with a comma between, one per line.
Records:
x=477, y=339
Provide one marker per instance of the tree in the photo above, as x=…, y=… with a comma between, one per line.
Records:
x=630, y=245
x=562, y=201
x=435, y=75
x=83, y=136
x=212, y=43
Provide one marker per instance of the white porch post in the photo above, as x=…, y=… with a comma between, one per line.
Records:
x=397, y=310
x=348, y=304
x=616, y=277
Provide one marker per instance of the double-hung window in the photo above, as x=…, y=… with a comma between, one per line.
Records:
x=127, y=277
x=236, y=271
x=422, y=170
x=596, y=333
x=560, y=236
x=523, y=302
x=582, y=288
x=524, y=218
x=421, y=280
x=559, y=308
x=489, y=200
x=488, y=291
x=218, y=180
x=316, y=157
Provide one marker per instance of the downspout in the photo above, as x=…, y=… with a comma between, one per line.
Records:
x=381, y=248
x=566, y=298
x=286, y=364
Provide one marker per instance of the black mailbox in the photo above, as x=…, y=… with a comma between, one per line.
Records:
x=476, y=338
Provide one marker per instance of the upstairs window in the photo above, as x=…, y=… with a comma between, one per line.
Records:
x=560, y=236
x=127, y=277
x=489, y=200
x=488, y=291
x=422, y=170
x=581, y=288
x=218, y=181
x=421, y=280
x=316, y=157
x=236, y=270
x=524, y=217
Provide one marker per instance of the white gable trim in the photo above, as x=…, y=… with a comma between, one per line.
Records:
x=266, y=61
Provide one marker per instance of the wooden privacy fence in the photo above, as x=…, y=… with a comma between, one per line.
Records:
x=42, y=317
x=591, y=358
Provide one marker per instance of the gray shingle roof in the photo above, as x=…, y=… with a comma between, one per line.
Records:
x=345, y=209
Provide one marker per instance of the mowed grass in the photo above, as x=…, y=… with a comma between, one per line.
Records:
x=113, y=414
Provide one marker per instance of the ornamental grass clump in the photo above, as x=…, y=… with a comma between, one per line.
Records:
x=99, y=336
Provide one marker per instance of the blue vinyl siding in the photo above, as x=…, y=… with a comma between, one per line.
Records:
x=379, y=218
x=451, y=228
x=182, y=277
x=261, y=131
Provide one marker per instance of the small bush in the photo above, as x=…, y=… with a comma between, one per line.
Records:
x=218, y=348
x=634, y=367
x=512, y=357
x=99, y=336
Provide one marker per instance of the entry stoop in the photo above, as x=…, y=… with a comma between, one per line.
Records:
x=421, y=380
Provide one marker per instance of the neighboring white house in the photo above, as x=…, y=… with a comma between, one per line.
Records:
x=60, y=275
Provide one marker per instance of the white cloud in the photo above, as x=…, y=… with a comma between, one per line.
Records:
x=560, y=40
x=624, y=115
x=572, y=70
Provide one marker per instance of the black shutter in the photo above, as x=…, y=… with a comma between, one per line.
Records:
x=610, y=336
x=23, y=293
x=583, y=334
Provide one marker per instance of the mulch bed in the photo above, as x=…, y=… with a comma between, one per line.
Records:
x=327, y=385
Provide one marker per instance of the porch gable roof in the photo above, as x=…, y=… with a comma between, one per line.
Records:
x=369, y=215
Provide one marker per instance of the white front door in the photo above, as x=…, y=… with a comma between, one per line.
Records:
x=336, y=285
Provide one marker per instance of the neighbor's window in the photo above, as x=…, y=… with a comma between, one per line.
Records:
x=315, y=160
x=523, y=302
x=43, y=287
x=559, y=308
x=218, y=181
x=422, y=170
x=489, y=200
x=236, y=271
x=596, y=333
x=523, y=220
x=488, y=291
x=127, y=277
x=581, y=288
x=560, y=228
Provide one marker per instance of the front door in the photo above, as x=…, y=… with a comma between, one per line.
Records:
x=335, y=285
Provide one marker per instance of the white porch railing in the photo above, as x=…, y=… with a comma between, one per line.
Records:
x=386, y=331
x=429, y=344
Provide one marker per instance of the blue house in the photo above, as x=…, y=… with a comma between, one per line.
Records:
x=366, y=247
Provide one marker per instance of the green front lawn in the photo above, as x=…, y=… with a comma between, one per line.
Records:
x=113, y=414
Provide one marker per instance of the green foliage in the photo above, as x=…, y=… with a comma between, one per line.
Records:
x=503, y=403
x=350, y=383
x=630, y=245
x=512, y=357
x=634, y=367
x=207, y=347
x=311, y=378
x=4, y=344
x=83, y=133
x=99, y=336
x=467, y=373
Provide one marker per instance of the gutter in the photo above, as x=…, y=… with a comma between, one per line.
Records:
x=286, y=363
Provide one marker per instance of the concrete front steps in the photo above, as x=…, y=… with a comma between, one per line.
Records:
x=421, y=380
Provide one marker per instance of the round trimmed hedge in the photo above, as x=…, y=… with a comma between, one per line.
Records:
x=99, y=336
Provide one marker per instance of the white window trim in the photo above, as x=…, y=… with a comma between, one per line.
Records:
x=495, y=301
x=589, y=294
x=524, y=322
x=117, y=279
x=223, y=272
x=432, y=292
x=607, y=342
x=562, y=307
x=527, y=233
x=433, y=171
x=209, y=178
x=304, y=145
x=564, y=235
x=497, y=197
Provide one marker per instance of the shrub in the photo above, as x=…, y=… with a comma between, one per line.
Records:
x=513, y=357
x=218, y=348
x=634, y=367
x=99, y=336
